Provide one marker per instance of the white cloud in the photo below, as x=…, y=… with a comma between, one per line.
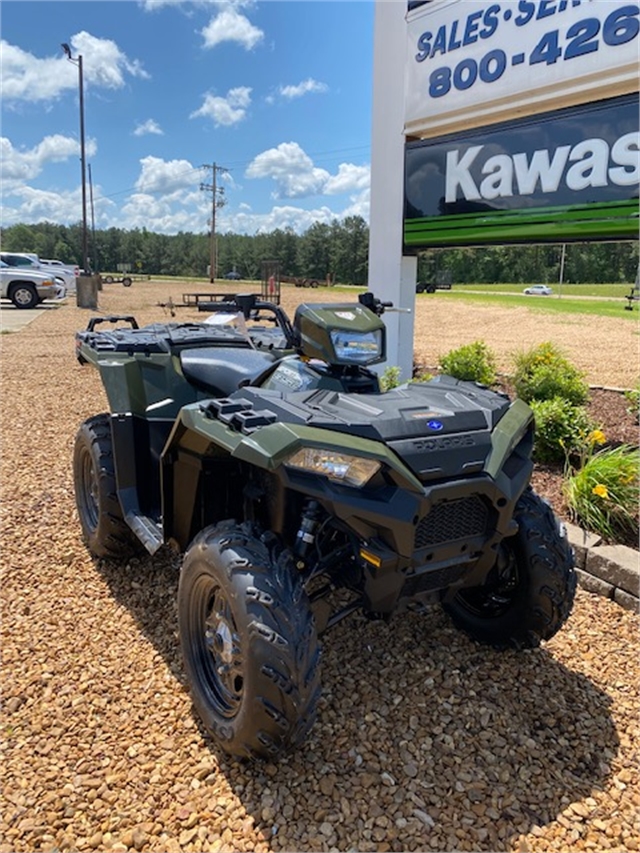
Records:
x=20, y=166
x=153, y=5
x=278, y=217
x=305, y=88
x=348, y=179
x=144, y=211
x=61, y=206
x=225, y=111
x=296, y=176
x=25, y=77
x=230, y=25
x=148, y=126
x=291, y=168
x=166, y=176
x=360, y=205
x=104, y=64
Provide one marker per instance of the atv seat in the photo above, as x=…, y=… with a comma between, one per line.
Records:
x=220, y=370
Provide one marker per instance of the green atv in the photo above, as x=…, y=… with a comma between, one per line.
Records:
x=300, y=493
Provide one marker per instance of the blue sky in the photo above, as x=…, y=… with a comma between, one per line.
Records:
x=277, y=92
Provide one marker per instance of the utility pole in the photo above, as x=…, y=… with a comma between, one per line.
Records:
x=217, y=201
x=93, y=223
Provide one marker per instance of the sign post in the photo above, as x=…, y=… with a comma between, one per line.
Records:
x=392, y=275
x=519, y=125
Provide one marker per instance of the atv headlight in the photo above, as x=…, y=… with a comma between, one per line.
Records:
x=339, y=467
x=356, y=347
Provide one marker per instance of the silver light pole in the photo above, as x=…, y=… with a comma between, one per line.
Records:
x=77, y=60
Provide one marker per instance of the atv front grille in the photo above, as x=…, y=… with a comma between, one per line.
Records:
x=450, y=521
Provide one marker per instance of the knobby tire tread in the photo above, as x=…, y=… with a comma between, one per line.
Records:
x=112, y=536
x=283, y=679
x=548, y=583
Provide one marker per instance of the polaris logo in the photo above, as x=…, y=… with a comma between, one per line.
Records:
x=444, y=443
x=590, y=163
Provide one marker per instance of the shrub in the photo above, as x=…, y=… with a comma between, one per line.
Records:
x=423, y=376
x=561, y=428
x=472, y=362
x=632, y=396
x=390, y=378
x=543, y=373
x=604, y=491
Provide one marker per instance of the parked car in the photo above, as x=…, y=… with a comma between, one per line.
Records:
x=538, y=290
x=26, y=287
x=233, y=276
x=68, y=271
x=28, y=260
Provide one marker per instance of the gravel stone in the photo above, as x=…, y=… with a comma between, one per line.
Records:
x=533, y=751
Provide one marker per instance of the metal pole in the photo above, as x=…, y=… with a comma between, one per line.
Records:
x=562, y=257
x=93, y=223
x=85, y=246
x=212, y=260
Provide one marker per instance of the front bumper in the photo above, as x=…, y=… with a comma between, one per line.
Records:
x=47, y=291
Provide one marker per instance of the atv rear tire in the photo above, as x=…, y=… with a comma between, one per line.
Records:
x=104, y=530
x=249, y=641
x=529, y=593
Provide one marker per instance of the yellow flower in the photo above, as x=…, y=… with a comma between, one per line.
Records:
x=596, y=437
x=601, y=491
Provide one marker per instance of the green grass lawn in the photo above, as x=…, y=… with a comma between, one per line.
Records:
x=604, y=290
x=568, y=301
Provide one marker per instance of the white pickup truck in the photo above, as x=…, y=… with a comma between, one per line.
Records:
x=66, y=275
x=26, y=288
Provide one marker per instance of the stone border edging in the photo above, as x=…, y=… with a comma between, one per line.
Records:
x=612, y=571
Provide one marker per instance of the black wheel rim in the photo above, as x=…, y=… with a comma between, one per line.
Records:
x=89, y=491
x=219, y=651
x=496, y=597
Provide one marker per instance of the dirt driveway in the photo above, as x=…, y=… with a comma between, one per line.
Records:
x=424, y=741
x=606, y=349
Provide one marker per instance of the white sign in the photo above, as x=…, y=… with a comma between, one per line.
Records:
x=471, y=62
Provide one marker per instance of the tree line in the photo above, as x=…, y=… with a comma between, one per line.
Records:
x=339, y=249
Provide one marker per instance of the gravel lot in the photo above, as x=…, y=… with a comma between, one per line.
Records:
x=425, y=740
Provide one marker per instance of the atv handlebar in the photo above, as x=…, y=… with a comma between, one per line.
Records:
x=377, y=306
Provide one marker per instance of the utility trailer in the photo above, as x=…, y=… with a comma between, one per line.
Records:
x=126, y=280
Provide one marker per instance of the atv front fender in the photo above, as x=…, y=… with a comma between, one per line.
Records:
x=205, y=462
x=268, y=447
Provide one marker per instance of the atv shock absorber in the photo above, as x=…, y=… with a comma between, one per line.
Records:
x=305, y=537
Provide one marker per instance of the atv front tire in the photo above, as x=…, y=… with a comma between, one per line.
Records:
x=104, y=530
x=249, y=641
x=529, y=593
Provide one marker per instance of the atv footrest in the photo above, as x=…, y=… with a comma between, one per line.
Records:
x=147, y=531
